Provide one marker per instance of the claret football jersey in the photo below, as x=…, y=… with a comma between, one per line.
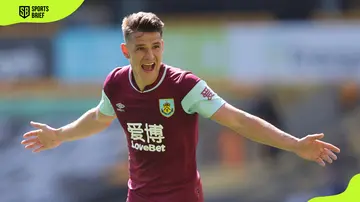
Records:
x=161, y=127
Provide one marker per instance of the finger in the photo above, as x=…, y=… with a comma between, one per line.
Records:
x=320, y=162
x=29, y=141
x=41, y=148
x=33, y=133
x=331, y=154
x=33, y=145
x=326, y=158
x=38, y=125
x=330, y=147
x=316, y=136
x=333, y=148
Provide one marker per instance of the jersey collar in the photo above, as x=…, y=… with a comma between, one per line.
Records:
x=151, y=87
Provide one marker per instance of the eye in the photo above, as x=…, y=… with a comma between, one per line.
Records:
x=140, y=48
x=157, y=46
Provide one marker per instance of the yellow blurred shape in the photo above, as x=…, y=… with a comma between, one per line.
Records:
x=351, y=194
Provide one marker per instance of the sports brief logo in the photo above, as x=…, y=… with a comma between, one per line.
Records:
x=167, y=107
x=24, y=11
x=33, y=11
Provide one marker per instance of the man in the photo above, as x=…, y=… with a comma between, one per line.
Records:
x=158, y=106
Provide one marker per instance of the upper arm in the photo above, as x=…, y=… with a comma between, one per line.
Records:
x=201, y=98
x=103, y=118
x=229, y=116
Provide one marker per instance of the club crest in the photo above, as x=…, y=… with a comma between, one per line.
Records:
x=167, y=107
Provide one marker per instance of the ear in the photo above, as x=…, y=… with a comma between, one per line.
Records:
x=125, y=50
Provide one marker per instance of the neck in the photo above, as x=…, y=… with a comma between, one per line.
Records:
x=141, y=83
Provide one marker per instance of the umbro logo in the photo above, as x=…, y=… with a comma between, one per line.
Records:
x=120, y=107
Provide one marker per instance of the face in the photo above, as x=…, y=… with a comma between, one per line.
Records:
x=144, y=51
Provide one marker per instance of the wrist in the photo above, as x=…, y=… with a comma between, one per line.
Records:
x=294, y=145
x=58, y=135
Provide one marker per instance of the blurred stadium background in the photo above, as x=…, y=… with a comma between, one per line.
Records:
x=294, y=63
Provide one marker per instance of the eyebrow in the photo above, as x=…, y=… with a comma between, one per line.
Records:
x=155, y=43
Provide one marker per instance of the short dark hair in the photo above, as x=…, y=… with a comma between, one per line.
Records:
x=141, y=22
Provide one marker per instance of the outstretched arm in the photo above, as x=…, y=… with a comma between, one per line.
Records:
x=93, y=121
x=258, y=130
x=203, y=100
x=254, y=128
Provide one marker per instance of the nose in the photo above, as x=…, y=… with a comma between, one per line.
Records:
x=149, y=55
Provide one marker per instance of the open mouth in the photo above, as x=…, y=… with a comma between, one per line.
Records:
x=148, y=67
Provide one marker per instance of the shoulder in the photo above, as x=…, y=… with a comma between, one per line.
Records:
x=117, y=73
x=114, y=76
x=183, y=78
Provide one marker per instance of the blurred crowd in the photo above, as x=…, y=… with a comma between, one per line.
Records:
x=52, y=73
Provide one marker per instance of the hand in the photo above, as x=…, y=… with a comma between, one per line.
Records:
x=313, y=149
x=41, y=139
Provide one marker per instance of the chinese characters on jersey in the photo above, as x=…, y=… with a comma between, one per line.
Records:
x=148, y=137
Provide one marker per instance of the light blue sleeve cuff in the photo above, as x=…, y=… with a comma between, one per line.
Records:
x=105, y=106
x=203, y=100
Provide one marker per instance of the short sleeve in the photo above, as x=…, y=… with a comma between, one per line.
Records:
x=105, y=106
x=202, y=99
